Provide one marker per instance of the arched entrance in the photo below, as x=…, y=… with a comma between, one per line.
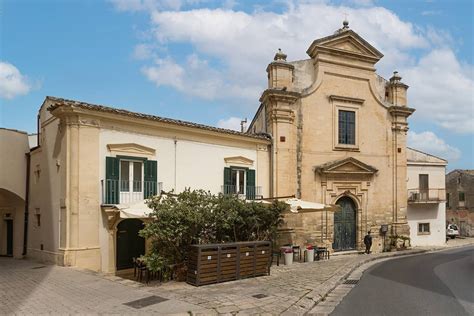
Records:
x=345, y=225
x=129, y=243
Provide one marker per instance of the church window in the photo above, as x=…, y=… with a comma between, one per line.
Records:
x=346, y=127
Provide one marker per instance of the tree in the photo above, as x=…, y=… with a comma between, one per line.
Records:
x=199, y=217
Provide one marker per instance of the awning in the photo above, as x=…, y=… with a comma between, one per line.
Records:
x=297, y=204
x=137, y=210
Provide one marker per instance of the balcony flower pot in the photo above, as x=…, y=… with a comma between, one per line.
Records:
x=309, y=254
x=288, y=252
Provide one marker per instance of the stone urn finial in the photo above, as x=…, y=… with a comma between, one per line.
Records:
x=280, y=56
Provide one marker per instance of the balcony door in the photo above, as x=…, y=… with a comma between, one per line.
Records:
x=424, y=189
x=131, y=181
x=238, y=181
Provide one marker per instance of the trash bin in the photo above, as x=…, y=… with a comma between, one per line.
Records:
x=288, y=252
x=309, y=254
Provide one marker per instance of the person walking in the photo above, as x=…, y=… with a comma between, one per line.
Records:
x=368, y=242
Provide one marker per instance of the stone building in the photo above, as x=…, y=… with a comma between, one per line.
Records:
x=328, y=130
x=426, y=198
x=14, y=150
x=460, y=200
x=339, y=137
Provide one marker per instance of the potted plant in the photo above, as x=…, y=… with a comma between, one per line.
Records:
x=288, y=252
x=309, y=253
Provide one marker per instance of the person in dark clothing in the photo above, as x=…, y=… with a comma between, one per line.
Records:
x=368, y=242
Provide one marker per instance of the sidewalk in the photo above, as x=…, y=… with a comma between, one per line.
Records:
x=289, y=290
x=28, y=287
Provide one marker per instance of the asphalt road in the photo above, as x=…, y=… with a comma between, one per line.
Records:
x=432, y=284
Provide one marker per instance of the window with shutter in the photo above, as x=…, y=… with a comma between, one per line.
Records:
x=150, y=178
x=251, y=192
x=111, y=180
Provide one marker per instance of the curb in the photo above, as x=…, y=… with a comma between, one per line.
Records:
x=323, y=294
x=343, y=277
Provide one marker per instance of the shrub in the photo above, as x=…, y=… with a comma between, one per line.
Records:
x=199, y=217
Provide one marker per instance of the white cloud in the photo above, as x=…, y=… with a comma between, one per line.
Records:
x=429, y=143
x=441, y=90
x=143, y=51
x=231, y=50
x=12, y=82
x=195, y=77
x=230, y=123
x=244, y=43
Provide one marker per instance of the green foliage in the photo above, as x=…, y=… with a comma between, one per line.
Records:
x=199, y=217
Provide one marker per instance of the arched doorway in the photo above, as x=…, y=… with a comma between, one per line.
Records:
x=129, y=243
x=345, y=225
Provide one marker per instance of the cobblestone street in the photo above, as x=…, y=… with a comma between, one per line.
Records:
x=28, y=287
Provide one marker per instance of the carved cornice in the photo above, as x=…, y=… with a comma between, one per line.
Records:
x=280, y=64
x=401, y=111
x=346, y=99
x=272, y=95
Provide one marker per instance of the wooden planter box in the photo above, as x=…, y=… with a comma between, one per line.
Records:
x=216, y=263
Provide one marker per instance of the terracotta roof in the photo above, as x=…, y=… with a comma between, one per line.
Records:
x=58, y=102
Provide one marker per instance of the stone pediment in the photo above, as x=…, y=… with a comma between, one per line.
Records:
x=238, y=160
x=345, y=42
x=346, y=166
x=131, y=149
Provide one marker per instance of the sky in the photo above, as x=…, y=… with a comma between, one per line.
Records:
x=204, y=61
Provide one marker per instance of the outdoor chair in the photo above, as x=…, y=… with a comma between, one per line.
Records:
x=321, y=253
x=142, y=271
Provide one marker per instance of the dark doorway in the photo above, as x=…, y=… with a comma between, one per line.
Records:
x=9, y=237
x=345, y=225
x=129, y=244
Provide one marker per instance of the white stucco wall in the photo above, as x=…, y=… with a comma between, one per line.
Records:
x=197, y=165
x=435, y=215
x=13, y=147
x=432, y=213
x=186, y=163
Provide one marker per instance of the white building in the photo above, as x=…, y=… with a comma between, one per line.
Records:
x=426, y=198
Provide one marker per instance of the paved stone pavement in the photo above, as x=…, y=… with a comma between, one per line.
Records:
x=27, y=287
x=30, y=288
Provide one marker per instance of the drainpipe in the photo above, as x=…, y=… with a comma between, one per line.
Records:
x=27, y=200
x=175, y=149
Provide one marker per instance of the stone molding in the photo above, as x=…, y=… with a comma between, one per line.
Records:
x=131, y=148
x=240, y=160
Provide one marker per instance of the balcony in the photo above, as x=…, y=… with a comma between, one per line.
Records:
x=248, y=192
x=426, y=196
x=128, y=192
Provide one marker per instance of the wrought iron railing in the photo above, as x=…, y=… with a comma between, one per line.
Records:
x=426, y=195
x=249, y=192
x=127, y=192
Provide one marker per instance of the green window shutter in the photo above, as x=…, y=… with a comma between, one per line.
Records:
x=227, y=181
x=111, y=180
x=251, y=190
x=150, y=178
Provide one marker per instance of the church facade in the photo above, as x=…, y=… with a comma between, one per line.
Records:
x=339, y=137
x=328, y=130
